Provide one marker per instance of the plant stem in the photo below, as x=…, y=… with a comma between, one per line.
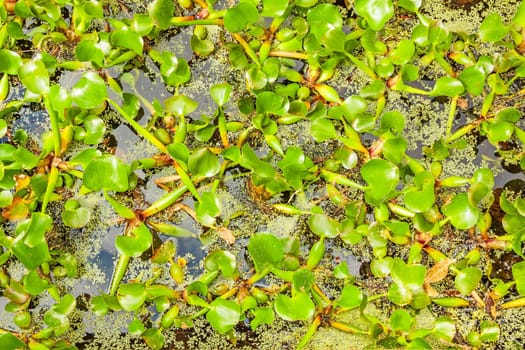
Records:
x=309, y=333
x=323, y=296
x=186, y=180
x=258, y=276
x=247, y=48
x=165, y=201
x=51, y=183
x=119, y=272
x=55, y=128
x=138, y=128
x=345, y=327
x=288, y=54
x=191, y=21
x=341, y=179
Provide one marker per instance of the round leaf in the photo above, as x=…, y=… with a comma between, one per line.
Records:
x=461, y=213
x=131, y=296
x=240, y=16
x=106, y=173
x=298, y=307
x=447, y=86
x=90, y=91
x=33, y=74
x=266, y=250
x=467, y=280
x=381, y=176
x=136, y=244
x=351, y=297
x=376, y=12
x=223, y=315
x=492, y=28
x=10, y=62
x=180, y=105
x=221, y=93
x=204, y=163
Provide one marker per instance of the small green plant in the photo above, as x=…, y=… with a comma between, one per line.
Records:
x=339, y=160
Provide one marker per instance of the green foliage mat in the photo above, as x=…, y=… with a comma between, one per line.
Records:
x=262, y=174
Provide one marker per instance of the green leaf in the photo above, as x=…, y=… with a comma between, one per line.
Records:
x=90, y=91
x=482, y=183
x=322, y=18
x=351, y=297
x=376, y=12
x=9, y=341
x=410, y=5
x=33, y=284
x=323, y=225
x=128, y=39
x=208, y=208
x=136, y=327
x=221, y=93
x=447, y=86
x=410, y=276
x=221, y=260
x=489, y=331
x=473, y=78
x=75, y=216
x=88, y=51
x=303, y=280
x=274, y=8
x=30, y=245
x=394, y=149
x=322, y=129
x=95, y=130
x=161, y=12
x=262, y=315
x=500, y=131
x=239, y=17
x=203, y=163
x=422, y=197
x=298, y=307
x=180, y=105
x=444, y=328
x=518, y=272
x=269, y=102
x=131, y=296
x=519, y=17
x=142, y=24
x=467, y=280
x=265, y=250
x=492, y=28
x=402, y=53
x=400, y=320
x=106, y=173
x=136, y=244
x=201, y=47
x=153, y=338
x=223, y=315
x=354, y=105
x=33, y=74
x=381, y=176
x=461, y=213
x=174, y=70
x=10, y=62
